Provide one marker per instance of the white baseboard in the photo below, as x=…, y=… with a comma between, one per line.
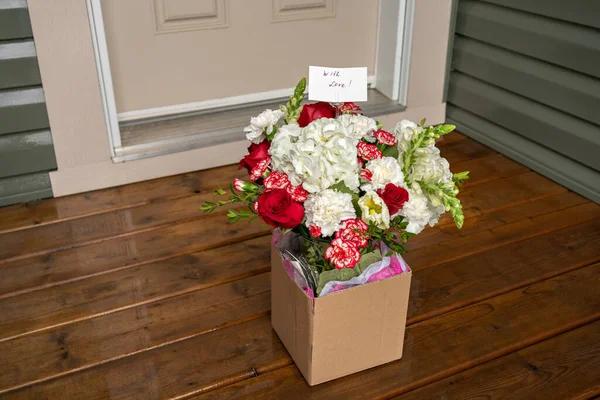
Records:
x=211, y=104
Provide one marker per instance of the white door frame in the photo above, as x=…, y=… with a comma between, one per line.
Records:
x=394, y=37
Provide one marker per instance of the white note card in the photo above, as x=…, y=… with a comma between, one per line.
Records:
x=337, y=85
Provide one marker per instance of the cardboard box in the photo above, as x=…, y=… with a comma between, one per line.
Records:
x=343, y=332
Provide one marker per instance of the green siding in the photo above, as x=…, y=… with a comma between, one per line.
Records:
x=22, y=188
x=18, y=65
x=26, y=150
x=24, y=153
x=524, y=80
x=14, y=20
x=565, y=44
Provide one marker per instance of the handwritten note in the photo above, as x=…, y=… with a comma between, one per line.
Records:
x=337, y=85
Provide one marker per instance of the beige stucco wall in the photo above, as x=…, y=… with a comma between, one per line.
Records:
x=68, y=69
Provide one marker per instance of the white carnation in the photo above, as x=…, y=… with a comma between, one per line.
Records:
x=359, y=127
x=429, y=166
x=385, y=170
x=317, y=157
x=265, y=120
x=328, y=209
x=418, y=210
x=405, y=131
x=374, y=210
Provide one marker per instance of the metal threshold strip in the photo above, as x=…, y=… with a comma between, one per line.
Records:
x=173, y=134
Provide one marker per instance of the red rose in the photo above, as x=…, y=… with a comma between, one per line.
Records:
x=368, y=151
x=394, y=197
x=385, y=137
x=311, y=112
x=349, y=108
x=277, y=209
x=256, y=154
x=342, y=254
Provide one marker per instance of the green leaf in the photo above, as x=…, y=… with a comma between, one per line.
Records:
x=368, y=259
x=343, y=274
x=391, y=151
x=341, y=187
x=422, y=123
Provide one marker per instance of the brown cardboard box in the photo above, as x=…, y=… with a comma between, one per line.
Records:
x=343, y=332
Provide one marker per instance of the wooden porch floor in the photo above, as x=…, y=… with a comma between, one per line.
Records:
x=133, y=293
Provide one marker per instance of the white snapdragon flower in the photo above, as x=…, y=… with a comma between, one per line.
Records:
x=385, y=170
x=418, y=210
x=429, y=166
x=319, y=156
x=265, y=120
x=374, y=210
x=405, y=131
x=327, y=210
x=359, y=127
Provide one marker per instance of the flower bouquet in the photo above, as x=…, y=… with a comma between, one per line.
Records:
x=344, y=195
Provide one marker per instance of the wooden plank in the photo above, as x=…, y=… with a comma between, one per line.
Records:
x=488, y=168
x=494, y=219
x=554, y=86
x=571, y=46
x=485, y=239
x=22, y=110
x=447, y=286
x=494, y=195
x=112, y=199
x=124, y=252
x=127, y=332
x=95, y=228
x=216, y=354
x=440, y=347
x=14, y=20
x=18, y=65
x=108, y=293
x=464, y=150
x=435, y=290
x=36, y=272
x=26, y=153
x=562, y=169
x=445, y=345
x=536, y=372
x=547, y=126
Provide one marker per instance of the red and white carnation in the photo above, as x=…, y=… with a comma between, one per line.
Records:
x=368, y=151
x=384, y=137
x=355, y=231
x=342, y=254
x=259, y=170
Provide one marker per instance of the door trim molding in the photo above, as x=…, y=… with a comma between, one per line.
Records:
x=104, y=76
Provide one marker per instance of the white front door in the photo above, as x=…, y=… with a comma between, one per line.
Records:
x=170, y=55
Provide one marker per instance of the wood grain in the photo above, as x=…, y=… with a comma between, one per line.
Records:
x=49, y=211
x=536, y=372
x=487, y=239
x=107, y=293
x=434, y=291
x=449, y=344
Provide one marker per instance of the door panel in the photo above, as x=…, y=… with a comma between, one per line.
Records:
x=168, y=52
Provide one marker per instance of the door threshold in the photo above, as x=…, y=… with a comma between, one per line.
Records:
x=166, y=135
